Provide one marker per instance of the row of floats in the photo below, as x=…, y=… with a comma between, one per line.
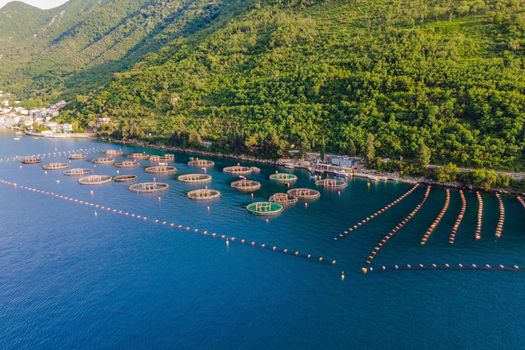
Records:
x=160, y=166
x=143, y=218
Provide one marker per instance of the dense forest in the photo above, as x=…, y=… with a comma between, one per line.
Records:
x=434, y=81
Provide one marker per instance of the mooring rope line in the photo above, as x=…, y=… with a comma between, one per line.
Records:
x=457, y=267
x=377, y=213
x=173, y=225
x=438, y=219
x=501, y=219
x=477, y=233
x=396, y=229
x=56, y=154
x=457, y=223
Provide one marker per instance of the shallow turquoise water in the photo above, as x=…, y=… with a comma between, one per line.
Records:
x=70, y=279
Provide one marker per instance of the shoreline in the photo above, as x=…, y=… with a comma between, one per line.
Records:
x=373, y=177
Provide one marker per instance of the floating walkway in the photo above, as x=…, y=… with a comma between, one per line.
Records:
x=453, y=267
x=204, y=194
x=195, y=178
x=103, y=161
x=78, y=172
x=201, y=163
x=377, y=213
x=265, y=208
x=246, y=185
x=284, y=178
x=501, y=219
x=55, y=154
x=149, y=187
x=479, y=225
x=520, y=199
x=438, y=219
x=304, y=194
x=396, y=229
x=55, y=166
x=459, y=219
x=283, y=199
x=227, y=238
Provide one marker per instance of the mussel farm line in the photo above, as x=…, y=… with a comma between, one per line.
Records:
x=396, y=229
x=165, y=223
x=448, y=267
x=501, y=219
x=438, y=219
x=459, y=219
x=56, y=154
x=479, y=225
x=377, y=213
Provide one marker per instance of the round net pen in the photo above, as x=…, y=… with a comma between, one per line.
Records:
x=283, y=199
x=95, y=180
x=201, y=163
x=31, y=160
x=246, y=185
x=238, y=170
x=332, y=184
x=195, y=178
x=103, y=161
x=114, y=153
x=305, y=194
x=125, y=178
x=149, y=187
x=284, y=178
x=161, y=169
x=264, y=208
x=55, y=166
x=127, y=164
x=138, y=156
x=167, y=158
x=77, y=156
x=204, y=194
x=255, y=169
x=78, y=172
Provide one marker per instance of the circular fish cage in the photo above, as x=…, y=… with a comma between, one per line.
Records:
x=114, y=153
x=167, y=158
x=246, y=185
x=125, y=178
x=305, y=194
x=195, y=178
x=255, y=169
x=77, y=156
x=139, y=156
x=78, y=172
x=103, y=161
x=95, y=180
x=283, y=199
x=332, y=184
x=55, y=166
x=149, y=187
x=127, y=164
x=31, y=160
x=204, y=194
x=161, y=169
x=201, y=163
x=265, y=208
x=238, y=170
x=284, y=178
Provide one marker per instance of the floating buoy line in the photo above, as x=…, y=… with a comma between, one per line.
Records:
x=457, y=267
x=396, y=229
x=479, y=225
x=143, y=218
x=438, y=219
x=459, y=219
x=377, y=213
x=501, y=219
x=75, y=152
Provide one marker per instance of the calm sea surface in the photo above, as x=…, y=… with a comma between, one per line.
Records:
x=73, y=279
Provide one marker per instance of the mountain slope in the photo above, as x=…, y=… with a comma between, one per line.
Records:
x=332, y=74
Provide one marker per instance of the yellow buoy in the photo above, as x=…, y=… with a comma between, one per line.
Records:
x=342, y=275
x=364, y=270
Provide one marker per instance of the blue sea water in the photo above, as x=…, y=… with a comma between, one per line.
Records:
x=70, y=279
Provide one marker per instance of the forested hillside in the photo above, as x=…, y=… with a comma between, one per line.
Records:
x=385, y=78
